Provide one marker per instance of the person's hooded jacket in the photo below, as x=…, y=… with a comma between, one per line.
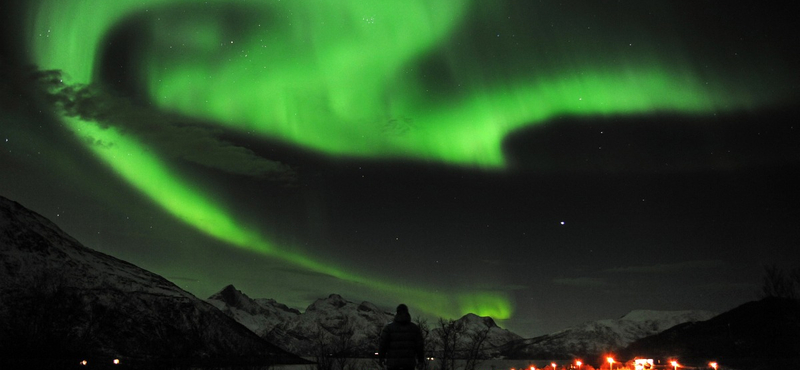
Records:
x=401, y=344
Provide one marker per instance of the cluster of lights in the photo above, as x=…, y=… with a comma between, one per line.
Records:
x=675, y=365
x=643, y=364
x=85, y=362
x=639, y=363
x=578, y=364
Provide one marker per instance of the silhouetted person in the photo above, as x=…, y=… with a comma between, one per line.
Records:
x=401, y=346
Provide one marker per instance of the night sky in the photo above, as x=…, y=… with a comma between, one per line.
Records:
x=546, y=163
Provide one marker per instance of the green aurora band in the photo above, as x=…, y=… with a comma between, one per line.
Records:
x=341, y=77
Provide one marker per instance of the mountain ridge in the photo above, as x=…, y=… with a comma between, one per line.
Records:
x=763, y=334
x=601, y=336
x=60, y=296
x=62, y=300
x=334, y=317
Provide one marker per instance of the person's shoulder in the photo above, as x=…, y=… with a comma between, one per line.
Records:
x=407, y=326
x=401, y=326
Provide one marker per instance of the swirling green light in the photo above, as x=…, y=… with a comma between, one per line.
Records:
x=343, y=86
x=138, y=165
x=67, y=43
x=340, y=77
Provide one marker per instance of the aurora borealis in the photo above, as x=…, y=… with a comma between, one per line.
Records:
x=429, y=151
x=332, y=75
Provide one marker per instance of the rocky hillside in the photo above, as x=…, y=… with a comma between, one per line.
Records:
x=603, y=336
x=473, y=327
x=757, y=335
x=63, y=301
x=258, y=315
x=326, y=320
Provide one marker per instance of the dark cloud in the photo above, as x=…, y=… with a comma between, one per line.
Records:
x=672, y=267
x=173, y=136
x=656, y=143
x=582, y=282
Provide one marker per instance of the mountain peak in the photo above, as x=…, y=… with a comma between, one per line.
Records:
x=368, y=307
x=483, y=320
x=334, y=300
x=230, y=295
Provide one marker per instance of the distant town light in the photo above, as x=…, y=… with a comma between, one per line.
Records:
x=553, y=364
x=674, y=364
x=116, y=361
x=578, y=363
x=713, y=365
x=643, y=364
x=610, y=363
x=84, y=363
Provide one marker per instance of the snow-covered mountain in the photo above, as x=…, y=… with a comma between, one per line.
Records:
x=495, y=337
x=603, y=336
x=258, y=315
x=332, y=319
x=60, y=299
x=763, y=334
x=323, y=320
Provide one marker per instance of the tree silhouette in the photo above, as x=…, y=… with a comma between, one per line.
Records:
x=778, y=283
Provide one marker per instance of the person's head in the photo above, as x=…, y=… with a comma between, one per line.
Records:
x=402, y=316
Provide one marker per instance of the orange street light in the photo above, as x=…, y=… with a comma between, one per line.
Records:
x=578, y=363
x=674, y=364
x=610, y=363
x=713, y=365
x=553, y=364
